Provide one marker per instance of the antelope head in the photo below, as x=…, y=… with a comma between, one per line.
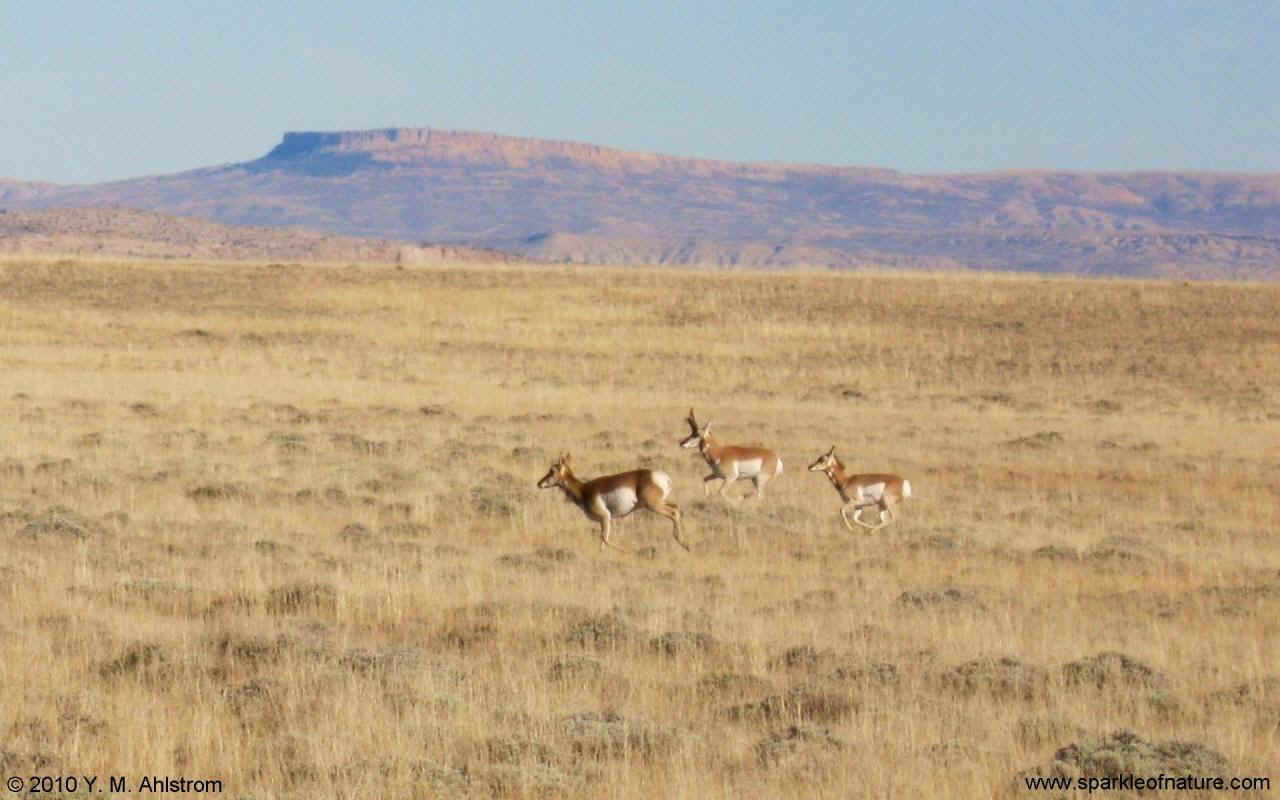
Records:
x=557, y=474
x=826, y=462
x=697, y=433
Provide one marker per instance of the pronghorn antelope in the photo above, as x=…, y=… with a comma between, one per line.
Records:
x=731, y=462
x=873, y=490
x=615, y=496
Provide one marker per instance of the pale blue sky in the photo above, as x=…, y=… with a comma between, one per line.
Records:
x=94, y=91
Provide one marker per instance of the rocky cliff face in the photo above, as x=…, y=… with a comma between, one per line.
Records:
x=567, y=200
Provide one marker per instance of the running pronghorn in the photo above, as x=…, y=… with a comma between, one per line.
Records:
x=615, y=496
x=729, y=462
x=873, y=490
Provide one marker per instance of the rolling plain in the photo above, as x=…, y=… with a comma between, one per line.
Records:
x=275, y=524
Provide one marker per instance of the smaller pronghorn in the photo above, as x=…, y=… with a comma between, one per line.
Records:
x=731, y=462
x=873, y=490
x=612, y=497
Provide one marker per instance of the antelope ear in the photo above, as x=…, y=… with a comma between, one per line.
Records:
x=832, y=451
x=564, y=459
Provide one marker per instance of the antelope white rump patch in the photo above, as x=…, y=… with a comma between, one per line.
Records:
x=664, y=482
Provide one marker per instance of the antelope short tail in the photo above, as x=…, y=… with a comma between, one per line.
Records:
x=906, y=489
x=778, y=469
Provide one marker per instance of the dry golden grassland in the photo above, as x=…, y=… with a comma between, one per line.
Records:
x=276, y=525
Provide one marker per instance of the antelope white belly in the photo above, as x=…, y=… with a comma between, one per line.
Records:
x=750, y=468
x=871, y=491
x=620, y=501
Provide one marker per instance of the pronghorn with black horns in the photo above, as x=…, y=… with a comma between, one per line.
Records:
x=730, y=462
x=877, y=490
x=612, y=497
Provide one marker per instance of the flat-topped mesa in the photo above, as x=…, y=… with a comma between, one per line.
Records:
x=407, y=146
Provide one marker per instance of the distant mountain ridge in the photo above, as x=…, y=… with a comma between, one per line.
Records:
x=409, y=145
x=123, y=232
x=573, y=201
